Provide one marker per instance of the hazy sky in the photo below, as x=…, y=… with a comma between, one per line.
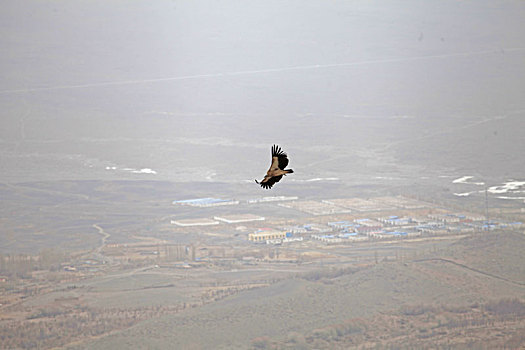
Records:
x=91, y=85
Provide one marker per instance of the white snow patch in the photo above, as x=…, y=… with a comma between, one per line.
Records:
x=210, y=176
x=316, y=179
x=323, y=179
x=466, y=194
x=506, y=187
x=134, y=171
x=144, y=171
x=383, y=178
x=464, y=180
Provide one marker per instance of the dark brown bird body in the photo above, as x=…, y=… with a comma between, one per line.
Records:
x=277, y=169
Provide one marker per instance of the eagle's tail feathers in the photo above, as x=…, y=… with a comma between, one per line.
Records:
x=289, y=171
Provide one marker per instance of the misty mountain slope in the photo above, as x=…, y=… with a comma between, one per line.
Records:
x=300, y=306
x=103, y=90
x=504, y=262
x=489, y=146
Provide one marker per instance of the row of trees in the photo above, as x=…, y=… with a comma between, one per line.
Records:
x=415, y=327
x=22, y=265
x=56, y=327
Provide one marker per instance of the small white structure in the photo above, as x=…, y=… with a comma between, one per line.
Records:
x=327, y=238
x=292, y=239
x=265, y=235
x=233, y=219
x=194, y=222
x=318, y=228
x=206, y=202
x=272, y=199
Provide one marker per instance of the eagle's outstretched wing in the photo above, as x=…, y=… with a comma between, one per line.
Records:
x=267, y=183
x=279, y=158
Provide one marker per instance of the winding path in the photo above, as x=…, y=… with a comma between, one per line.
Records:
x=105, y=237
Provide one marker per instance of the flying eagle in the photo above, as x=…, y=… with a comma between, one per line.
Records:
x=277, y=169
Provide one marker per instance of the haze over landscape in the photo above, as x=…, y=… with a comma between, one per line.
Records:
x=111, y=112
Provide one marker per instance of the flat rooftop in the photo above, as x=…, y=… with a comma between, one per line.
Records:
x=272, y=199
x=231, y=219
x=194, y=222
x=205, y=202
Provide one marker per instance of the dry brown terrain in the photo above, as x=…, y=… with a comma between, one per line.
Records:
x=448, y=298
